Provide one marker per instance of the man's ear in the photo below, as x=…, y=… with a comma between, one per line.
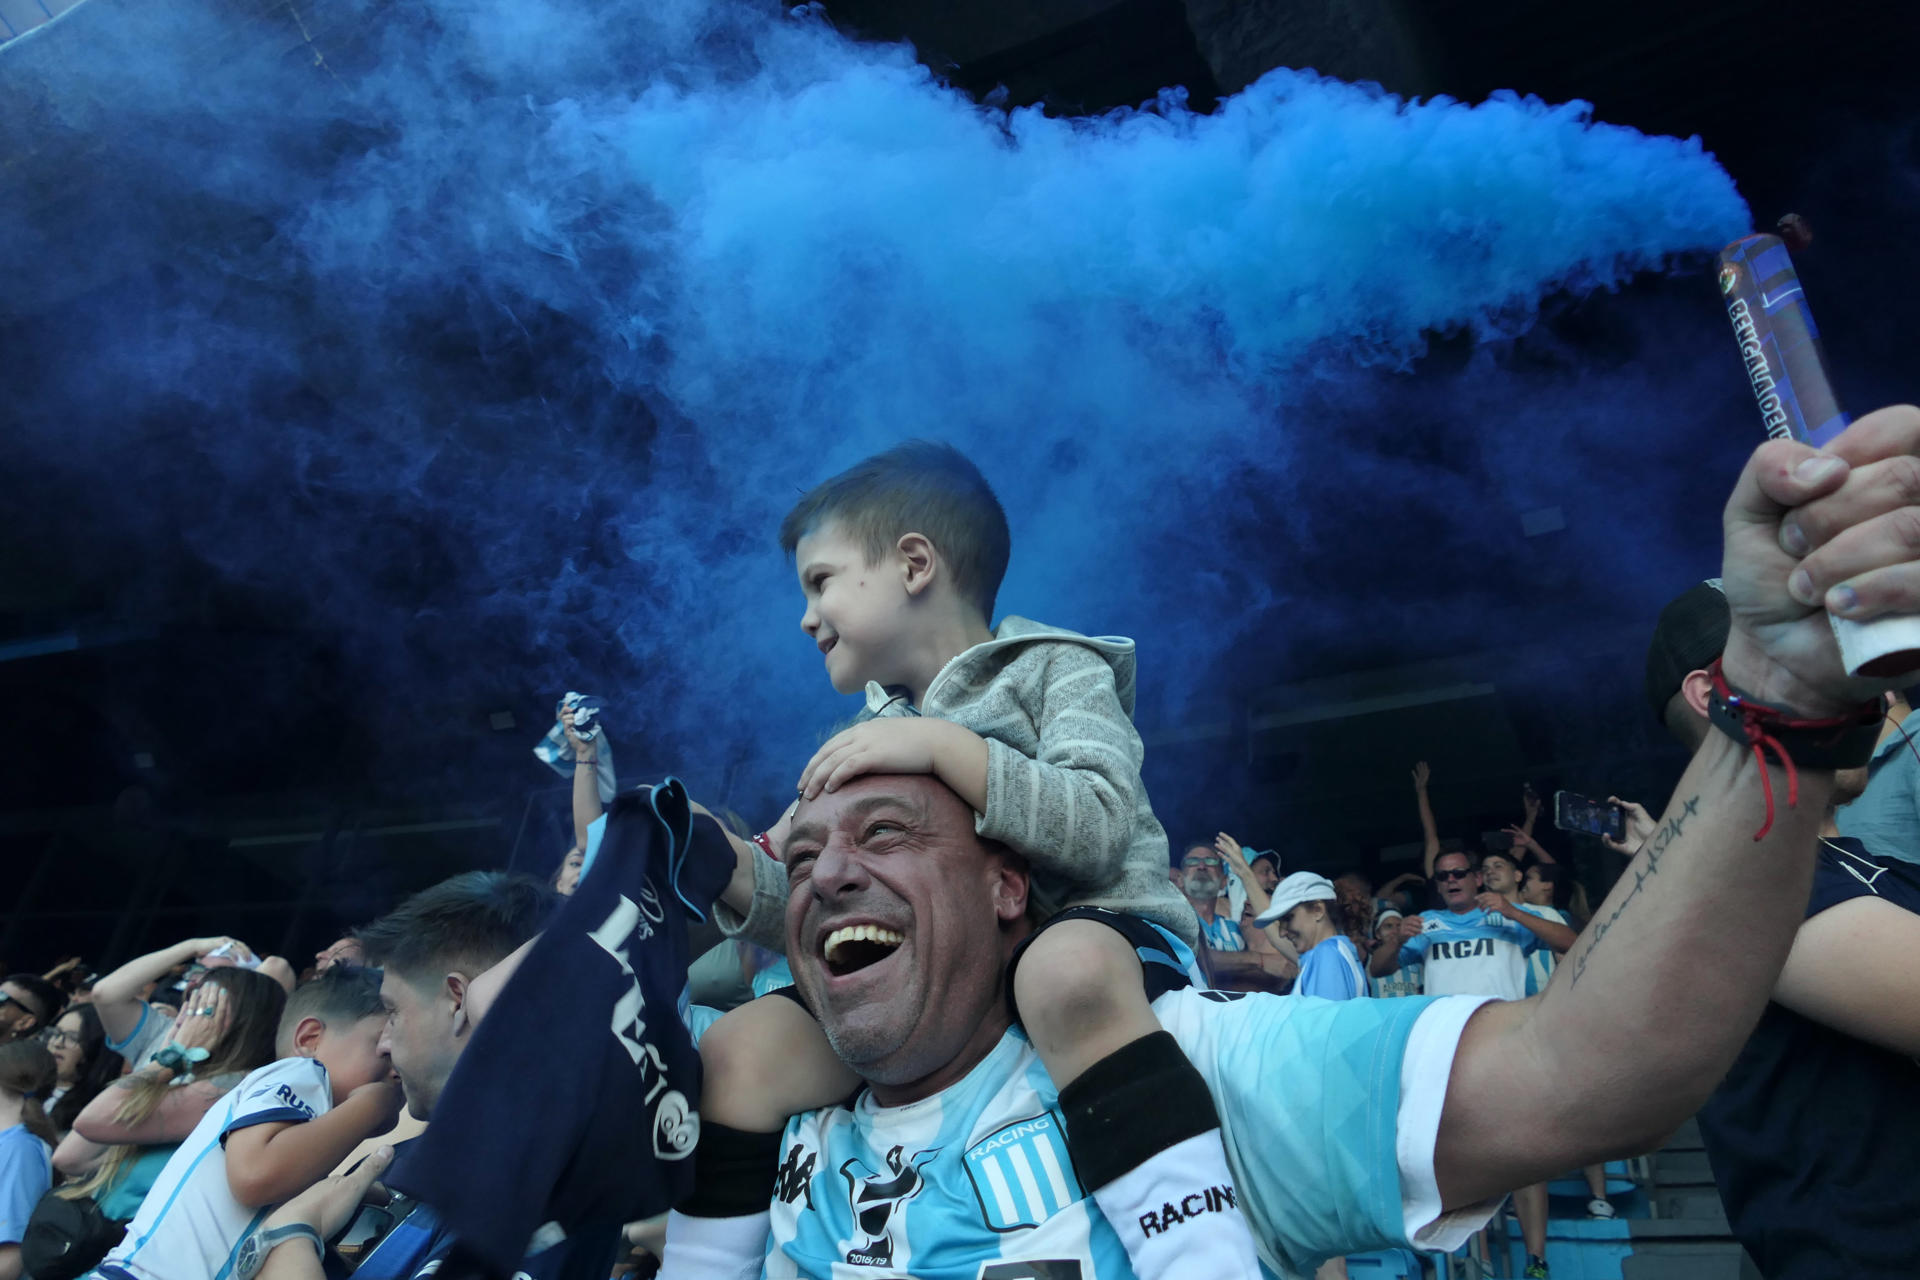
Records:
x=306, y=1036
x=919, y=561
x=454, y=989
x=1697, y=689
x=1010, y=887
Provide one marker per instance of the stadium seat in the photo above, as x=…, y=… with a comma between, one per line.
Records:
x=1386, y=1264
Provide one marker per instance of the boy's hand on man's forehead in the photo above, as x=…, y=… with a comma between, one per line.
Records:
x=899, y=744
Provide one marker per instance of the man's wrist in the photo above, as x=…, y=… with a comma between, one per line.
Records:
x=252, y=1256
x=1748, y=669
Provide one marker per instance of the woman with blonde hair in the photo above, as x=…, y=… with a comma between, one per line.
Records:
x=124, y=1137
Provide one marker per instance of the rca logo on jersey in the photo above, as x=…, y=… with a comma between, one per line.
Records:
x=877, y=1199
x=286, y=1097
x=1461, y=950
x=1022, y=1174
x=795, y=1177
x=1210, y=1200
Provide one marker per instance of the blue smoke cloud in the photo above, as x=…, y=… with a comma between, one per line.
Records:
x=507, y=331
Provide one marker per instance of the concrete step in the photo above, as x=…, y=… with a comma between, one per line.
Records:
x=1709, y=1230
x=1688, y=1261
x=1690, y=1203
x=1681, y=1169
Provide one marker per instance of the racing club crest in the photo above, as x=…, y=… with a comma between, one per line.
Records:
x=1022, y=1174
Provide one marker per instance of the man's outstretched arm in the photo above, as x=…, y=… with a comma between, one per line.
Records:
x=1429, y=830
x=1648, y=1009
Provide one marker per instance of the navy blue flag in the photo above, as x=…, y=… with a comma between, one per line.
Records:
x=577, y=1101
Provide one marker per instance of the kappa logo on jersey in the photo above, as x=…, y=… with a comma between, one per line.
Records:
x=286, y=1097
x=795, y=1176
x=876, y=1200
x=1022, y=1174
x=1462, y=950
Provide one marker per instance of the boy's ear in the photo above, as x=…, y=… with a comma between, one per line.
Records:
x=306, y=1036
x=919, y=561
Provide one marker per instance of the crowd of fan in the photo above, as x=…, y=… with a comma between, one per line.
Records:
x=200, y=1107
x=104, y=1078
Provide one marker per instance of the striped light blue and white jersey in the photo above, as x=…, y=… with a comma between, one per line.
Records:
x=1332, y=971
x=1223, y=934
x=1540, y=963
x=1472, y=953
x=1407, y=980
x=1329, y=1109
x=190, y=1224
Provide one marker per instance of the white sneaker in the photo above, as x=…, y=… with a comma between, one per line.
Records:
x=1598, y=1208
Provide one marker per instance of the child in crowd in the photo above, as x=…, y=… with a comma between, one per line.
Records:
x=281, y=1129
x=27, y=1073
x=899, y=560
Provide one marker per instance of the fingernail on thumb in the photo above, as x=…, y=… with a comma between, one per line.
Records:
x=1817, y=468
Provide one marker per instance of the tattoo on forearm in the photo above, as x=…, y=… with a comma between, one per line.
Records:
x=1649, y=859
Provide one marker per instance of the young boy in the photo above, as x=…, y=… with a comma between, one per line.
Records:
x=900, y=559
x=279, y=1131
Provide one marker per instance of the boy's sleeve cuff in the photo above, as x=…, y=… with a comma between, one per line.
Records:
x=279, y=1115
x=765, y=924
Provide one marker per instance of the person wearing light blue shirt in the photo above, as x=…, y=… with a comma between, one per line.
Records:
x=1886, y=819
x=1307, y=911
x=1479, y=945
x=950, y=1164
x=26, y=1168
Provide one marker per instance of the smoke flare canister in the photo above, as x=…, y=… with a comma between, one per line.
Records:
x=1780, y=346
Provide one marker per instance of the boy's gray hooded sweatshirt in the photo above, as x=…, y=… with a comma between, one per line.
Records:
x=1063, y=776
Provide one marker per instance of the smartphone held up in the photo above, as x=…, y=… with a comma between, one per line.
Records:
x=1575, y=812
